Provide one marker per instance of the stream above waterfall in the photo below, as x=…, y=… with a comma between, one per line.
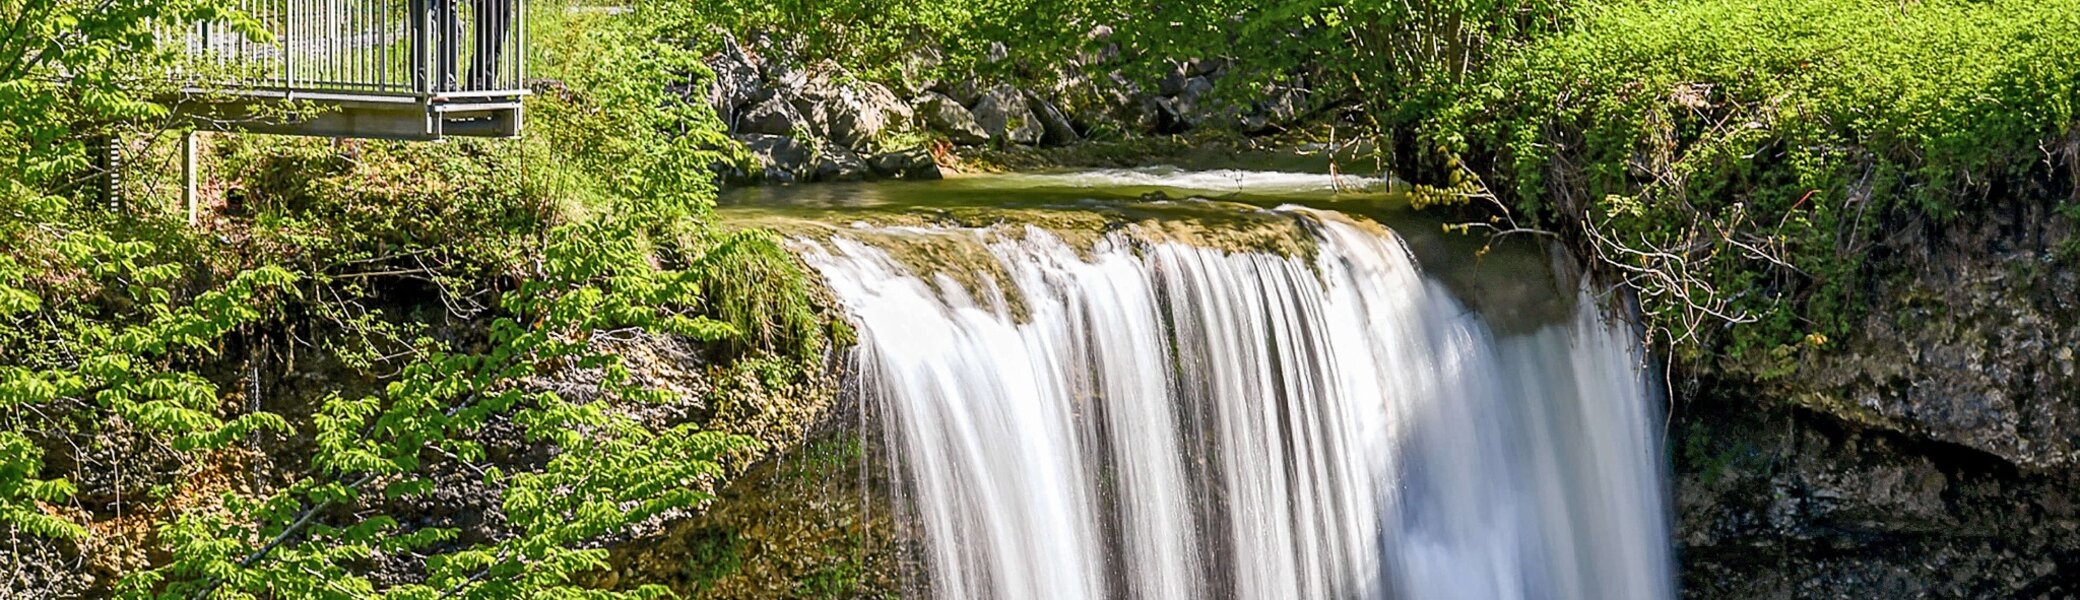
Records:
x=1163, y=383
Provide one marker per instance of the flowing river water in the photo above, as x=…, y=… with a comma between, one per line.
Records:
x=1092, y=391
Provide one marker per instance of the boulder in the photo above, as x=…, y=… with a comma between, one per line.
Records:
x=774, y=116
x=1195, y=89
x=1172, y=115
x=1277, y=110
x=1128, y=103
x=738, y=83
x=912, y=164
x=919, y=70
x=781, y=159
x=1187, y=109
x=779, y=56
x=1055, y=128
x=1003, y=112
x=854, y=114
x=834, y=163
x=965, y=91
x=944, y=115
x=1173, y=80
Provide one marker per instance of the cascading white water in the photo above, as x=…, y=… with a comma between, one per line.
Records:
x=1150, y=419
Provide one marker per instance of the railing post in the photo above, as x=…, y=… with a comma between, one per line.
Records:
x=422, y=55
x=288, y=47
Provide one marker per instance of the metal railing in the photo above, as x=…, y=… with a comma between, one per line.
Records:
x=426, y=49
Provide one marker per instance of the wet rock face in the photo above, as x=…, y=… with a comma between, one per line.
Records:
x=815, y=523
x=1929, y=455
x=1787, y=503
x=1975, y=344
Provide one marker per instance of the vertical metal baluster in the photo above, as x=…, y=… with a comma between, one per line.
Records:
x=350, y=44
x=354, y=44
x=509, y=63
x=289, y=23
x=334, y=34
x=365, y=34
x=365, y=48
x=354, y=77
x=523, y=43
x=383, y=41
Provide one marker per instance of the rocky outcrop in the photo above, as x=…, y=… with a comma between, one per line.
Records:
x=1974, y=344
x=835, y=163
x=760, y=90
x=1787, y=503
x=814, y=523
x=1928, y=455
x=814, y=124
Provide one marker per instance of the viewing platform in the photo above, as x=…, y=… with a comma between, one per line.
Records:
x=381, y=69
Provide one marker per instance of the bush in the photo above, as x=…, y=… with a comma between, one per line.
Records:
x=1736, y=160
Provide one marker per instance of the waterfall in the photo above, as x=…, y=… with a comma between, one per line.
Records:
x=1141, y=418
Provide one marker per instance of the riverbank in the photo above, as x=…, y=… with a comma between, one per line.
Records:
x=1866, y=246
x=494, y=367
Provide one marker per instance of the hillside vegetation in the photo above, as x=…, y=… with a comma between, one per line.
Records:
x=262, y=405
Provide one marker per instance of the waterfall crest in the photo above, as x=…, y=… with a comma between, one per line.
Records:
x=1151, y=419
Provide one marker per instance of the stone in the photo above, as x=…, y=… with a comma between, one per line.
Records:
x=965, y=91
x=1172, y=115
x=913, y=164
x=948, y=117
x=918, y=71
x=1185, y=110
x=852, y=113
x=778, y=56
x=834, y=163
x=1195, y=89
x=774, y=116
x=781, y=159
x=1280, y=108
x=1055, y=127
x=738, y=83
x=1003, y=112
x=1173, y=81
x=1128, y=104
x=1205, y=67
